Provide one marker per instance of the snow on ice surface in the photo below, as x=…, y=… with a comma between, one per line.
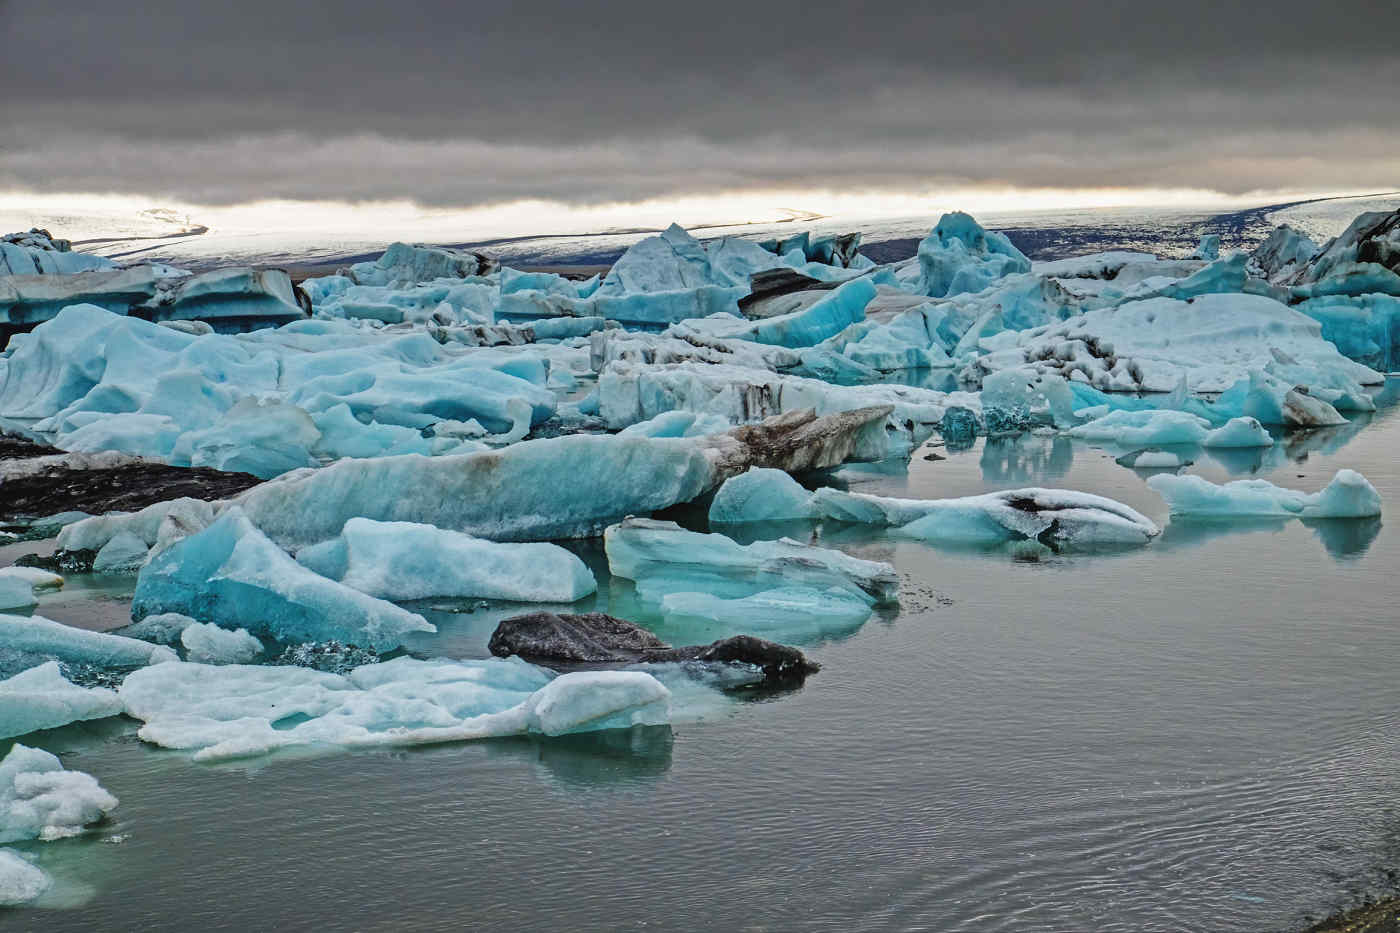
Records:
x=39, y=799
x=230, y=574
x=404, y=560
x=1348, y=495
x=20, y=881
x=239, y=711
x=42, y=698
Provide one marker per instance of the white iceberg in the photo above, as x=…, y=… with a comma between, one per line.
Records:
x=760, y=495
x=42, y=698
x=40, y=799
x=20, y=880
x=40, y=636
x=1144, y=428
x=20, y=586
x=206, y=643
x=1239, y=432
x=1348, y=495
x=238, y=711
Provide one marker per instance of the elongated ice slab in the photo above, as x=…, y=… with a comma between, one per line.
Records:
x=238, y=711
x=1348, y=495
x=36, y=635
x=42, y=698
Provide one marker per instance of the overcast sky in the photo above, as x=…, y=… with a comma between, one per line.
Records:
x=458, y=103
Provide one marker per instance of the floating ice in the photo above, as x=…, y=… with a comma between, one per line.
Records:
x=20, y=881
x=677, y=424
x=39, y=253
x=403, y=560
x=230, y=574
x=830, y=315
x=238, y=711
x=548, y=488
x=1144, y=428
x=163, y=628
x=206, y=643
x=1239, y=432
x=760, y=495
x=36, y=635
x=1366, y=328
x=1058, y=517
x=775, y=589
x=20, y=586
x=404, y=265
x=1348, y=495
x=123, y=553
x=39, y=799
x=42, y=698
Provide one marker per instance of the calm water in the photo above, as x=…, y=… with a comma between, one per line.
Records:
x=1201, y=735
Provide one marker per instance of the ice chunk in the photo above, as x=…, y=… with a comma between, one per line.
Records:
x=1208, y=249
x=230, y=574
x=39, y=799
x=1058, y=517
x=404, y=560
x=41, y=698
x=20, y=881
x=163, y=628
x=1365, y=328
x=237, y=711
x=206, y=643
x=94, y=534
x=825, y=318
x=36, y=635
x=1153, y=459
x=677, y=424
x=124, y=553
x=960, y=256
x=1348, y=495
x=20, y=586
x=39, y=253
x=403, y=265
x=1364, y=259
x=663, y=558
x=1144, y=428
x=796, y=614
x=548, y=488
x=760, y=495
x=1281, y=255
x=1239, y=432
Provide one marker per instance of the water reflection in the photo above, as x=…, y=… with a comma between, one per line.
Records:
x=611, y=757
x=1026, y=458
x=1342, y=538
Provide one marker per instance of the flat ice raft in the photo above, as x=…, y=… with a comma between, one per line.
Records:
x=1057, y=517
x=239, y=711
x=1348, y=495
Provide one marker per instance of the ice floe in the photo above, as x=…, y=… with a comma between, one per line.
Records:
x=1348, y=495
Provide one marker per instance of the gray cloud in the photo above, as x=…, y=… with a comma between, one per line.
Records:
x=466, y=103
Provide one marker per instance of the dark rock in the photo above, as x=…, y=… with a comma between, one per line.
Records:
x=79, y=561
x=597, y=638
x=775, y=283
x=82, y=483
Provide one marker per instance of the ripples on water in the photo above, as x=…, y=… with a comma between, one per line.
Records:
x=1201, y=735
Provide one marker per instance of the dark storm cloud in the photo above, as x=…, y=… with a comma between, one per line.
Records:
x=461, y=103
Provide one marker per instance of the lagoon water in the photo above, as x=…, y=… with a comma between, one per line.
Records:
x=1202, y=735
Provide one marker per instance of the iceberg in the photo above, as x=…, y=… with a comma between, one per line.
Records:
x=1363, y=260
x=238, y=711
x=549, y=488
x=20, y=586
x=230, y=574
x=1282, y=254
x=1213, y=342
x=404, y=560
x=760, y=495
x=1348, y=495
x=40, y=799
x=827, y=317
x=42, y=698
x=1239, y=432
x=39, y=636
x=1144, y=428
x=798, y=614
x=960, y=256
x=206, y=643
x=20, y=880
x=1059, y=518
x=39, y=252
x=661, y=558
x=1365, y=328
x=404, y=264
